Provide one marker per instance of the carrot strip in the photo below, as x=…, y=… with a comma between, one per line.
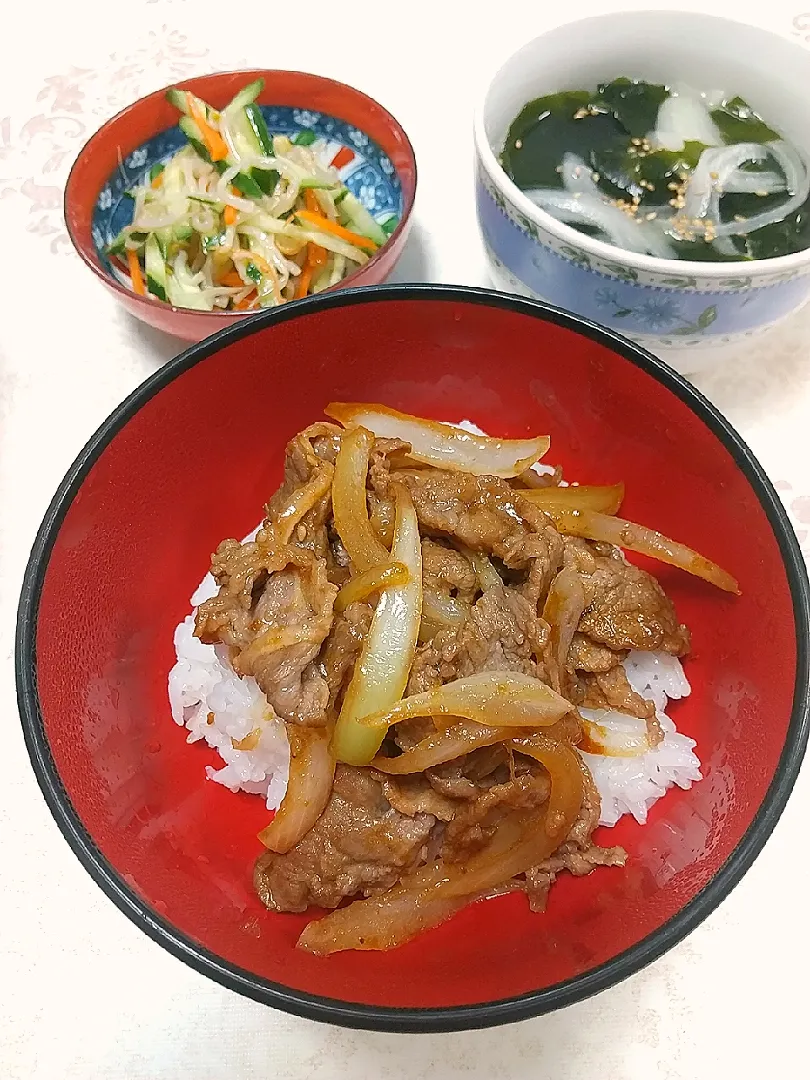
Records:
x=229, y=215
x=232, y=280
x=311, y=200
x=316, y=255
x=246, y=301
x=326, y=225
x=135, y=273
x=158, y=180
x=302, y=288
x=214, y=143
x=342, y=157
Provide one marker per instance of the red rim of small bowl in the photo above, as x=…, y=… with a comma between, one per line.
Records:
x=356, y=1014
x=87, y=251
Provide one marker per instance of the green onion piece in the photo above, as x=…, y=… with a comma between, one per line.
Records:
x=305, y=138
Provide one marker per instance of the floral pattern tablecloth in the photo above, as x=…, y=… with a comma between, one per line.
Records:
x=83, y=994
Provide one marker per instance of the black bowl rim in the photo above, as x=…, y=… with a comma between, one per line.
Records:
x=357, y=1014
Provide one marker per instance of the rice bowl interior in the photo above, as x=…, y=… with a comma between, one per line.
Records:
x=174, y=850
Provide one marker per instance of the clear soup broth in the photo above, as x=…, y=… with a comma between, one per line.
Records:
x=667, y=171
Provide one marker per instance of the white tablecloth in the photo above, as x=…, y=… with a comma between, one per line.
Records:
x=83, y=994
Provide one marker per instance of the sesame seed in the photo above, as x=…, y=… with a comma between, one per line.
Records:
x=577, y=194
x=651, y=216
x=761, y=194
x=518, y=143
x=740, y=217
x=714, y=175
x=581, y=113
x=595, y=177
x=672, y=187
x=636, y=142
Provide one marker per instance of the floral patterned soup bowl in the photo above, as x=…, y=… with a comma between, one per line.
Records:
x=371, y=152
x=675, y=308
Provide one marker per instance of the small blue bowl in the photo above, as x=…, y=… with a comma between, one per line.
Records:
x=368, y=147
x=368, y=172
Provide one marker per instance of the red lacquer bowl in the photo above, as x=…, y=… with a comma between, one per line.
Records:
x=192, y=456
x=374, y=149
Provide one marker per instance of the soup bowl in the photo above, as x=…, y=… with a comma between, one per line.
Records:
x=679, y=309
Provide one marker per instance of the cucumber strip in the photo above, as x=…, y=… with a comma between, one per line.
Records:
x=308, y=183
x=246, y=96
x=247, y=185
x=254, y=117
x=254, y=273
x=305, y=138
x=183, y=293
x=266, y=179
x=156, y=170
x=323, y=280
x=117, y=246
x=341, y=195
x=192, y=132
x=389, y=225
x=155, y=268
x=359, y=220
x=338, y=269
x=181, y=100
x=211, y=243
x=164, y=237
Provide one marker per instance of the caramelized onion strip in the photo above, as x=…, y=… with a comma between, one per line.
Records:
x=312, y=769
x=626, y=534
x=443, y=445
x=381, y=672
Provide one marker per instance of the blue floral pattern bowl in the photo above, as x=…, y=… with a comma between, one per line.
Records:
x=367, y=171
x=366, y=144
x=675, y=308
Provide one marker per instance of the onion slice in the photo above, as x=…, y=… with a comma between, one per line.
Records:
x=606, y=500
x=442, y=746
x=623, y=739
x=797, y=180
x=431, y=895
x=488, y=577
x=381, y=672
x=442, y=610
x=302, y=500
x=312, y=769
x=349, y=503
x=370, y=581
x=562, y=611
x=443, y=445
x=496, y=698
x=626, y=534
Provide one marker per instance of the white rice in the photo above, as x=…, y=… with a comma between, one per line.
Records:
x=215, y=704
x=632, y=785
